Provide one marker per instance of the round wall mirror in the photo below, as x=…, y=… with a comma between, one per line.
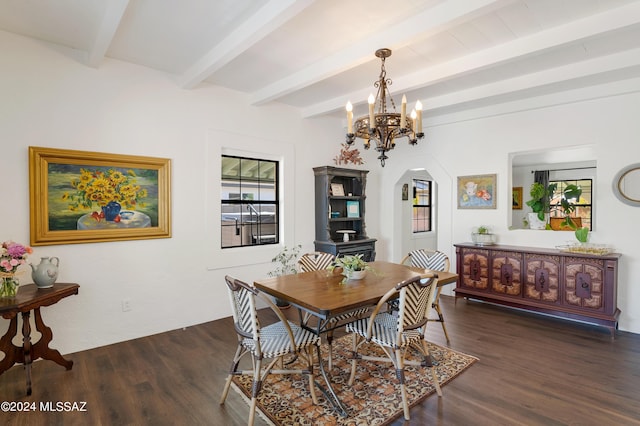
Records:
x=626, y=185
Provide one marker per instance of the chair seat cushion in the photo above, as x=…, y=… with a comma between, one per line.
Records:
x=275, y=340
x=384, y=330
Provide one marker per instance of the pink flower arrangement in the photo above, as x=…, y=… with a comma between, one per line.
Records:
x=13, y=255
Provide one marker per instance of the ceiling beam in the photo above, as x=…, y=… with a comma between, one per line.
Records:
x=535, y=44
x=110, y=22
x=622, y=65
x=271, y=16
x=430, y=21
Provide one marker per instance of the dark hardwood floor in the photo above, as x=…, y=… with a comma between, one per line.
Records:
x=533, y=370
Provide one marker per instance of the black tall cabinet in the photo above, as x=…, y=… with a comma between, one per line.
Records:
x=340, y=210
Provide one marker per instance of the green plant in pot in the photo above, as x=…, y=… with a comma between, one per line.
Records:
x=352, y=266
x=482, y=235
x=286, y=262
x=539, y=203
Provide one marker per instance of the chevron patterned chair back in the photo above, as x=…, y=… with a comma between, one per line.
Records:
x=435, y=261
x=272, y=342
x=315, y=261
x=398, y=331
x=428, y=259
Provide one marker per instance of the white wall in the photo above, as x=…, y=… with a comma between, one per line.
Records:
x=50, y=99
x=479, y=142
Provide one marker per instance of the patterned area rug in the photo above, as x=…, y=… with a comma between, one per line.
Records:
x=374, y=398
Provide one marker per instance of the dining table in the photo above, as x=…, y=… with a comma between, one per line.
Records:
x=325, y=295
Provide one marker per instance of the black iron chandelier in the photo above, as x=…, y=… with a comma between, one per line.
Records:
x=382, y=126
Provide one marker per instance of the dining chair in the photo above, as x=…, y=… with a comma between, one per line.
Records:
x=273, y=342
x=398, y=331
x=435, y=261
x=317, y=261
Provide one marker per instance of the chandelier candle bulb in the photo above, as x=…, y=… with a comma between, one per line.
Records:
x=349, y=118
x=403, y=112
x=419, y=111
x=372, y=119
x=415, y=122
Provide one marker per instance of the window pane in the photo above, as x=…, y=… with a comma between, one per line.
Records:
x=421, y=220
x=249, y=197
x=583, y=205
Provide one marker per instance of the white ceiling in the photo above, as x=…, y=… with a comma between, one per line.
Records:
x=316, y=55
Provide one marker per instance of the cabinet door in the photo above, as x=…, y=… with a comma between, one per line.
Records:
x=584, y=283
x=542, y=278
x=506, y=277
x=367, y=250
x=475, y=269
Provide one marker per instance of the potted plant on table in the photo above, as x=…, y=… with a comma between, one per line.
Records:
x=286, y=260
x=353, y=267
x=482, y=236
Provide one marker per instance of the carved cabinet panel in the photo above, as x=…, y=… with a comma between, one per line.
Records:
x=475, y=264
x=584, y=283
x=506, y=273
x=542, y=277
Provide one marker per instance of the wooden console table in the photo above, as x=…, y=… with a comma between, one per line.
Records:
x=31, y=298
x=575, y=286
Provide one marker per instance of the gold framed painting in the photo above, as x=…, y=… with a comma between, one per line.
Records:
x=477, y=192
x=516, y=197
x=88, y=197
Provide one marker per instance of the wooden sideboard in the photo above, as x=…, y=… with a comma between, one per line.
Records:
x=569, y=285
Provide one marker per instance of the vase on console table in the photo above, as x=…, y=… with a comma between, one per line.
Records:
x=8, y=286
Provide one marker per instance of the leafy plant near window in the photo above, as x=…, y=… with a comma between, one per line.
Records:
x=286, y=261
x=570, y=192
x=540, y=201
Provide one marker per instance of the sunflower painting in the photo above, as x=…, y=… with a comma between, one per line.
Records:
x=77, y=190
x=81, y=196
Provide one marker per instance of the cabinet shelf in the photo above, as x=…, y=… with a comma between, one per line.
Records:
x=346, y=197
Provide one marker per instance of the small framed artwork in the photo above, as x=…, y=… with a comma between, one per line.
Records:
x=353, y=209
x=89, y=197
x=477, y=192
x=405, y=192
x=337, y=190
x=516, y=203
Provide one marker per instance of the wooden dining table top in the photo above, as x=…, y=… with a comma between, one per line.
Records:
x=323, y=294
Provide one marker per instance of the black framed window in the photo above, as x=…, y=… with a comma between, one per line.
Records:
x=249, y=202
x=422, y=206
x=584, y=206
